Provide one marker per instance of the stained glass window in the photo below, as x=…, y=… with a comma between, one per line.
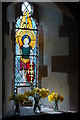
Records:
x=26, y=48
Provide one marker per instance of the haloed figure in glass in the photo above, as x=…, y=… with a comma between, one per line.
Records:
x=26, y=63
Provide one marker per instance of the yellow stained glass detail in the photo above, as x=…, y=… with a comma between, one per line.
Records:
x=20, y=33
x=25, y=60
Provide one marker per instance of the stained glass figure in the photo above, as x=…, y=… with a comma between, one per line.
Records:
x=26, y=57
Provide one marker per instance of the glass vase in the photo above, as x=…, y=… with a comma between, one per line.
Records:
x=36, y=107
x=56, y=106
x=17, y=109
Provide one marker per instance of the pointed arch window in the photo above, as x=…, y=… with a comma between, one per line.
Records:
x=26, y=48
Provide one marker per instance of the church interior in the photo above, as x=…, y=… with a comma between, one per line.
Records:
x=40, y=52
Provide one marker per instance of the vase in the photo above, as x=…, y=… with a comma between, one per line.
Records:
x=17, y=110
x=56, y=106
x=36, y=107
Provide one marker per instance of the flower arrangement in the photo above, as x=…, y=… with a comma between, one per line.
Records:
x=55, y=97
x=37, y=93
x=19, y=98
x=29, y=93
x=42, y=92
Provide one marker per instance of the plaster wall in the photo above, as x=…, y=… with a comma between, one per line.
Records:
x=8, y=74
x=54, y=45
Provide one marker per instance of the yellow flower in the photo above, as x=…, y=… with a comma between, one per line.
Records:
x=37, y=90
x=44, y=92
x=53, y=93
x=48, y=91
x=50, y=98
x=61, y=98
x=55, y=97
x=29, y=93
x=43, y=89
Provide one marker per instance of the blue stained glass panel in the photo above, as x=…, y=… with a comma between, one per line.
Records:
x=17, y=49
x=20, y=75
x=18, y=23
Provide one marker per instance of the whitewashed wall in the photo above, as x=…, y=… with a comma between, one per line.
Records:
x=8, y=74
x=51, y=19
